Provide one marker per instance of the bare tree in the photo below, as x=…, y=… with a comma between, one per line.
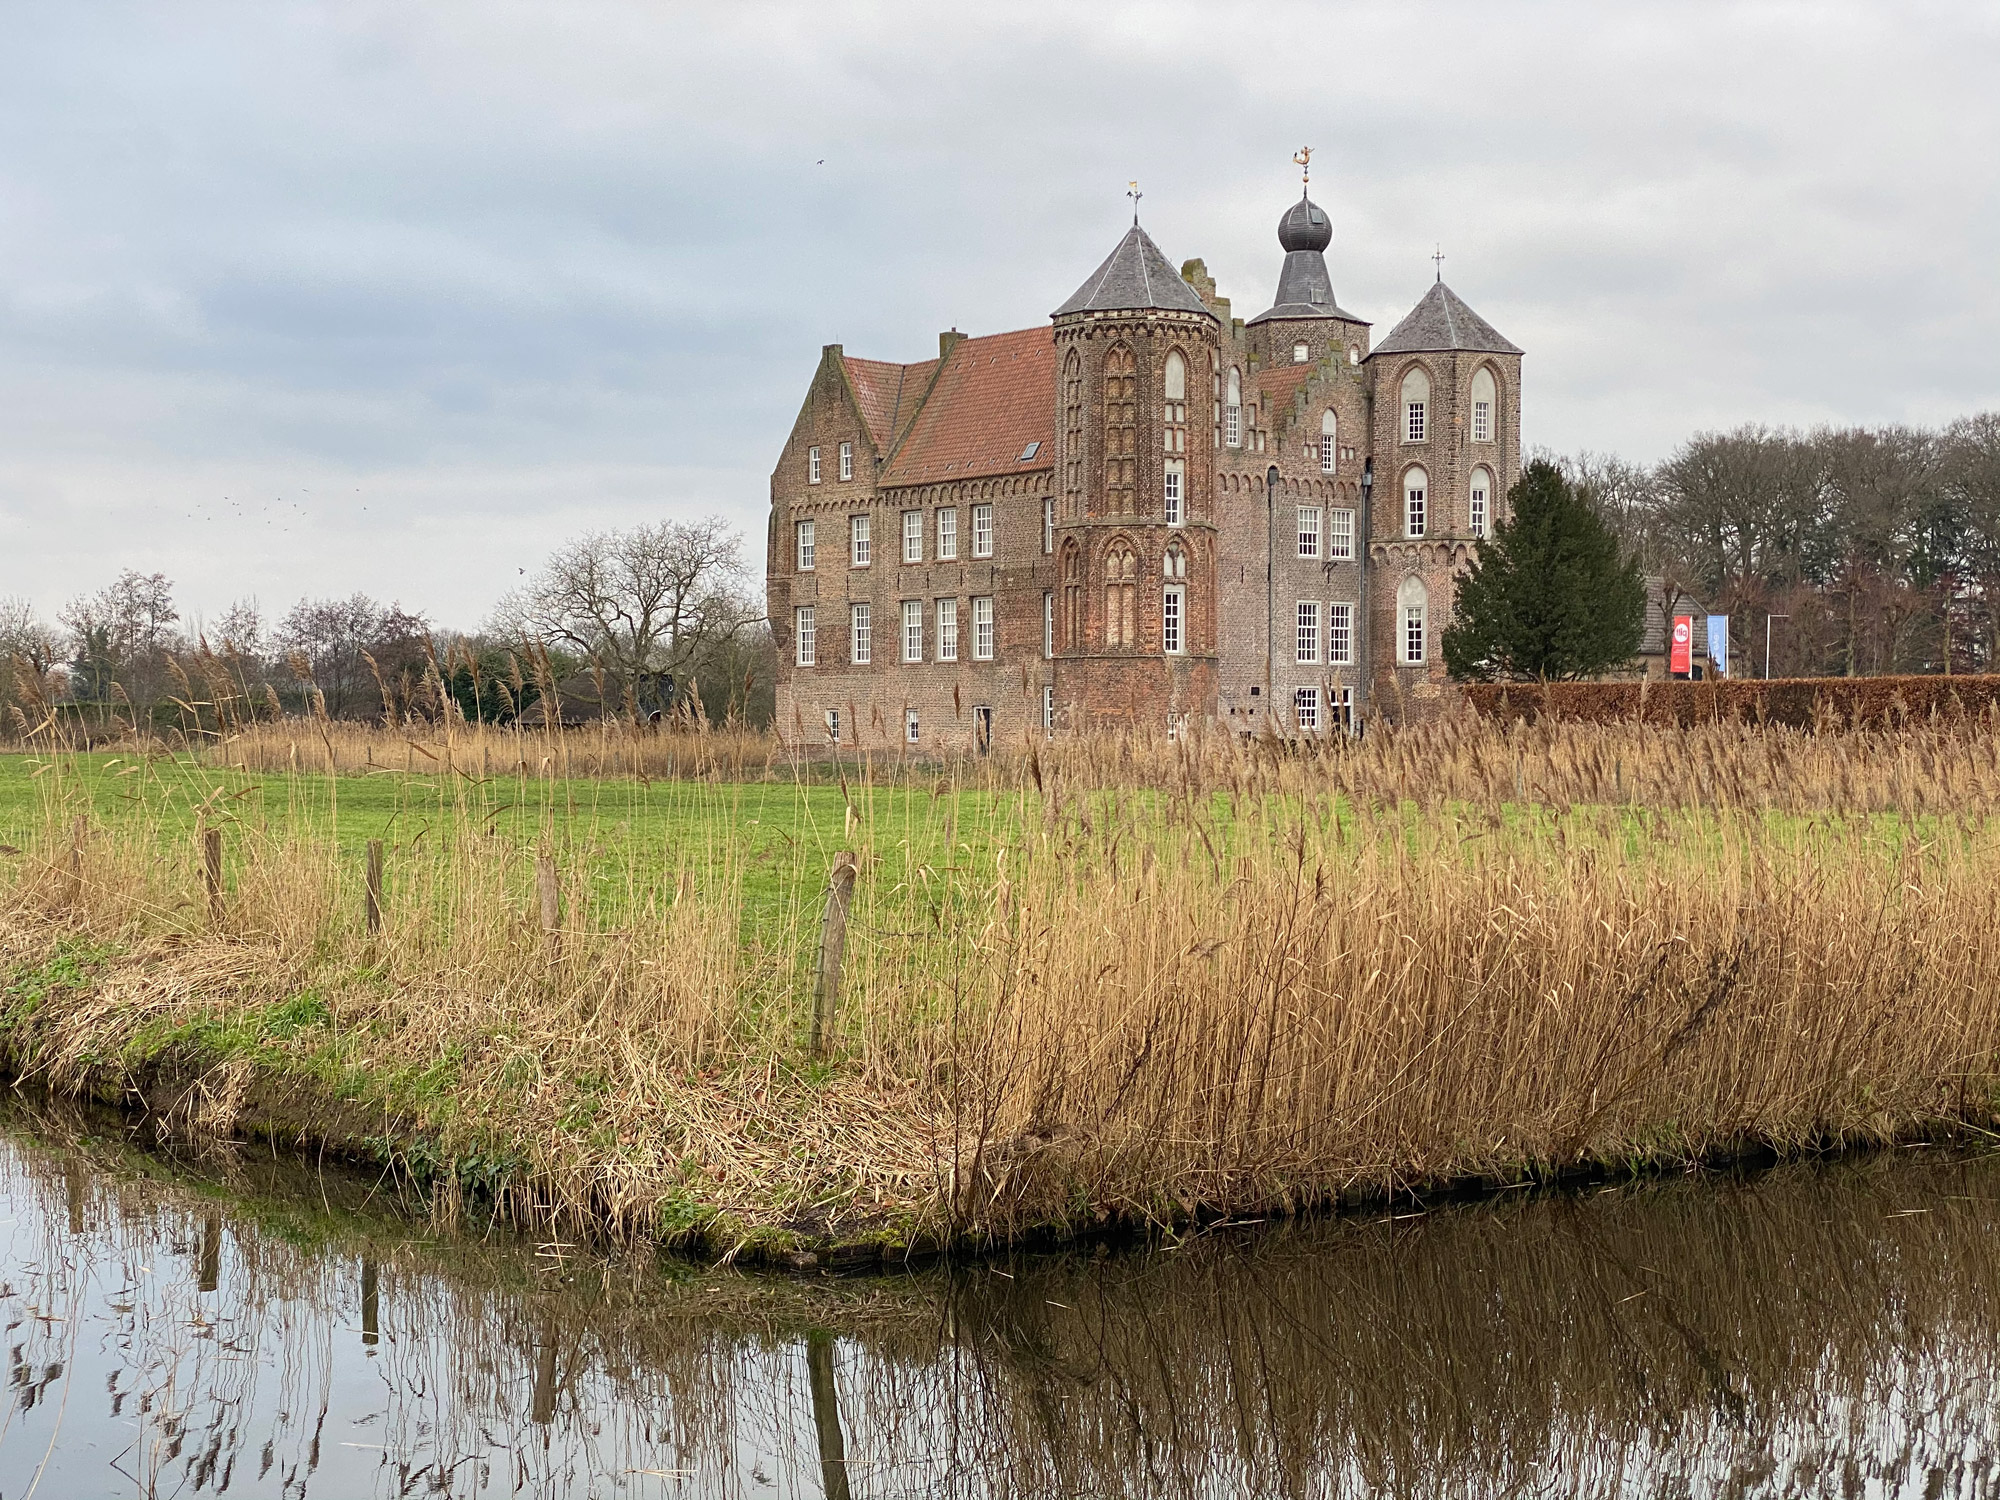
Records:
x=636, y=605
x=123, y=634
x=333, y=640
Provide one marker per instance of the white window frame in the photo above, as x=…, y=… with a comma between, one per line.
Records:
x=1479, y=504
x=1415, y=421
x=1340, y=708
x=983, y=632
x=1340, y=536
x=1482, y=421
x=833, y=726
x=1412, y=639
x=913, y=630
x=812, y=464
x=859, y=547
x=1232, y=412
x=913, y=536
x=1340, y=634
x=1301, y=354
x=1310, y=517
x=1048, y=526
x=1049, y=709
x=805, y=532
x=805, y=637
x=860, y=633
x=1305, y=643
x=1173, y=620
x=1416, y=508
x=1329, y=444
x=846, y=461
x=947, y=630
x=982, y=531
x=1172, y=481
x=910, y=726
x=1305, y=709
x=1048, y=625
x=947, y=533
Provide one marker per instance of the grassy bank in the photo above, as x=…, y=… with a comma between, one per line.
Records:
x=1104, y=982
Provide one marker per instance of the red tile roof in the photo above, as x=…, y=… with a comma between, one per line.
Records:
x=1277, y=386
x=994, y=397
x=887, y=393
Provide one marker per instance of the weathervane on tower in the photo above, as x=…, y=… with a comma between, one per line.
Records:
x=1132, y=192
x=1304, y=156
x=1437, y=259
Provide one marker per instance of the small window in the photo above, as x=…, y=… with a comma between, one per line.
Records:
x=982, y=531
x=982, y=628
x=1173, y=611
x=1309, y=523
x=1480, y=502
x=913, y=536
x=1306, y=649
x=857, y=541
x=1415, y=484
x=1048, y=526
x=947, y=535
x=805, y=531
x=1482, y=406
x=1340, y=703
x=1340, y=536
x=1412, y=610
x=1232, y=412
x=1340, y=635
x=833, y=726
x=1049, y=709
x=913, y=630
x=1048, y=624
x=1305, y=708
x=859, y=635
x=982, y=728
x=1416, y=406
x=804, y=635
x=1300, y=354
x=1329, y=443
x=1030, y=451
x=846, y=461
x=909, y=726
x=812, y=465
x=1173, y=492
x=947, y=630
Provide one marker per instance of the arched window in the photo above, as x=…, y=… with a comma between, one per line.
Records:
x=1416, y=489
x=1173, y=430
x=1329, y=443
x=1072, y=596
x=1416, y=406
x=1479, y=505
x=1121, y=589
x=1232, y=411
x=1073, y=433
x=1174, y=564
x=1121, y=418
x=1484, y=407
x=1413, y=604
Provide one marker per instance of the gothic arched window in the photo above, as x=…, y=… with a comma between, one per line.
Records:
x=1232, y=411
x=1072, y=596
x=1416, y=495
x=1479, y=503
x=1329, y=442
x=1416, y=406
x=1413, y=603
x=1121, y=414
x=1484, y=407
x=1073, y=433
x=1121, y=590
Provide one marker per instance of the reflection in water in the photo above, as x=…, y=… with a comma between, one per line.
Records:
x=251, y=1328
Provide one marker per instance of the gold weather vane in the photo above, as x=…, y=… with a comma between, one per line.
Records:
x=1304, y=157
x=1132, y=192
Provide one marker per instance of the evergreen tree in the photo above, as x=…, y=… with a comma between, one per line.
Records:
x=1547, y=596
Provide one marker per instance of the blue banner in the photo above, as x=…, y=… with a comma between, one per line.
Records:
x=1718, y=645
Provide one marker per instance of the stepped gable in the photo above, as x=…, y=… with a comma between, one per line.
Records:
x=1278, y=386
x=1443, y=322
x=992, y=398
x=1305, y=286
x=887, y=395
x=1134, y=276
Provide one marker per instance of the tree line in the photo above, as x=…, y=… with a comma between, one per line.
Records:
x=636, y=624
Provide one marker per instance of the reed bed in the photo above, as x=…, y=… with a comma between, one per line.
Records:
x=1101, y=983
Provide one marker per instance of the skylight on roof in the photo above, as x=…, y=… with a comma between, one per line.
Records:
x=1030, y=451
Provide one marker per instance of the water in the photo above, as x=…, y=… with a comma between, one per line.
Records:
x=244, y=1326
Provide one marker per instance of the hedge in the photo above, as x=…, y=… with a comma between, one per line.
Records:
x=1801, y=702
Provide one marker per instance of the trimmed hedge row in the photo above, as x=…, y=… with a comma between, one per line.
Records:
x=1801, y=702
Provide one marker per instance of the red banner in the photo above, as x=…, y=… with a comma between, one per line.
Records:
x=1680, y=661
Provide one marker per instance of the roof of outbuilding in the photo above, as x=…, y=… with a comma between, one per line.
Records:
x=993, y=397
x=1442, y=321
x=1135, y=275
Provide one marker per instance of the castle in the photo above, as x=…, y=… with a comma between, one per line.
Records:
x=1148, y=514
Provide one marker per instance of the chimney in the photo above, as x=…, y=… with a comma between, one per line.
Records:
x=946, y=341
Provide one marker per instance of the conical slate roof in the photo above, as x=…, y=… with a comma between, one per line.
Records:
x=1443, y=321
x=1135, y=275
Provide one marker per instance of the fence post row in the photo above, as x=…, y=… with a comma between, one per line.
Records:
x=211, y=869
x=832, y=944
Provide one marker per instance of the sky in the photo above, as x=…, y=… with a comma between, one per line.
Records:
x=299, y=300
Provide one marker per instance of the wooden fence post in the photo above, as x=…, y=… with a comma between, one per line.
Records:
x=551, y=894
x=211, y=870
x=374, y=888
x=832, y=945
x=79, y=830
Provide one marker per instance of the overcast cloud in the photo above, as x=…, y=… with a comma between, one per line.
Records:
x=304, y=299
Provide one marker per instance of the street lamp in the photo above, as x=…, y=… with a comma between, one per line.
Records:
x=1767, y=642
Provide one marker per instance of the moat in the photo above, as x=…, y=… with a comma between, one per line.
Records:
x=242, y=1324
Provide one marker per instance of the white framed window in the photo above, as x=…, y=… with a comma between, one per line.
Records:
x=859, y=635
x=947, y=630
x=947, y=534
x=1232, y=412
x=1416, y=484
x=857, y=541
x=1340, y=707
x=909, y=726
x=913, y=536
x=1340, y=536
x=1306, y=647
x=847, y=460
x=1479, y=504
x=1416, y=406
x=1413, y=619
x=833, y=726
x=1309, y=524
x=1305, y=708
x=982, y=628
x=982, y=531
x=1173, y=491
x=1048, y=624
x=1048, y=526
x=1340, y=635
x=812, y=464
x=804, y=637
x=1049, y=709
x=1300, y=354
x=1173, y=404
x=913, y=630
x=1329, y=443
x=805, y=535
x=1482, y=406
x=1173, y=615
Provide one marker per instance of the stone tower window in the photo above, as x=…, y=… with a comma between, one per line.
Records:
x=1416, y=406
x=1171, y=482
x=1121, y=419
x=1413, y=617
x=1073, y=432
x=1121, y=591
x=812, y=465
x=1173, y=404
x=1232, y=411
x=1072, y=596
x=1329, y=442
x=847, y=460
x=1479, y=509
x=1416, y=486
x=1482, y=406
x=1300, y=354
x=1173, y=612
